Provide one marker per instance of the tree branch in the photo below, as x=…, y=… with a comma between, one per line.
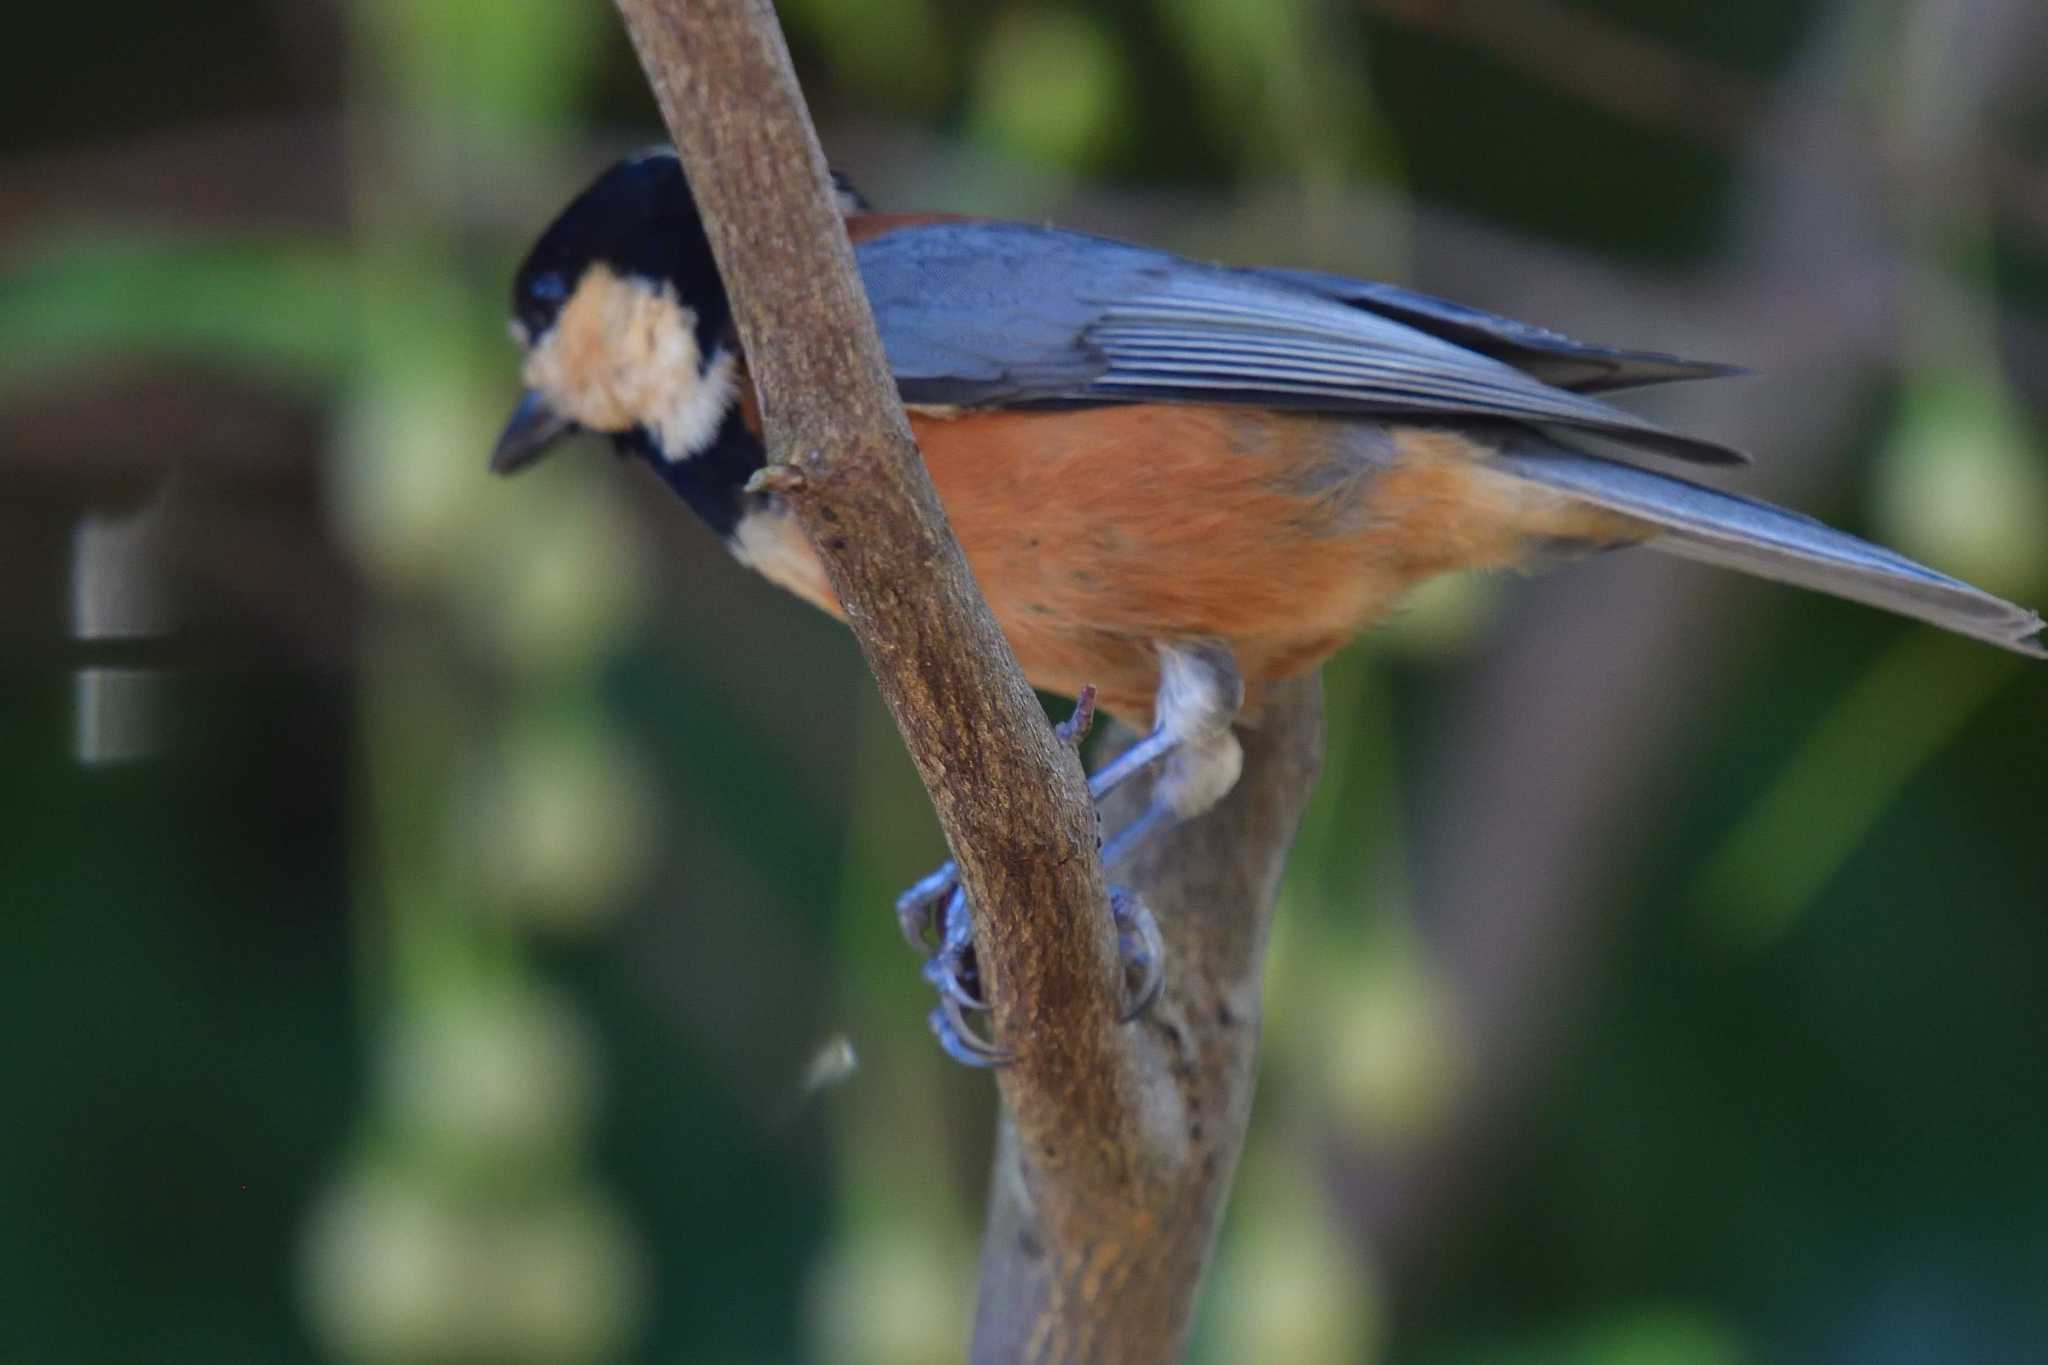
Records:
x=1213, y=884
x=1119, y=1142
x=1011, y=799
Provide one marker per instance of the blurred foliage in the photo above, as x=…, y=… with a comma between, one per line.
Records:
x=465, y=1002
x=78, y=298
x=1051, y=88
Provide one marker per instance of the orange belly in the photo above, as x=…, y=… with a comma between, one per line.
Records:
x=1097, y=532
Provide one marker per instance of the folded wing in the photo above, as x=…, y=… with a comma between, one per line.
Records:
x=1549, y=356
x=983, y=314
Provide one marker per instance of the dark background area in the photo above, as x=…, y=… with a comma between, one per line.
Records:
x=437, y=909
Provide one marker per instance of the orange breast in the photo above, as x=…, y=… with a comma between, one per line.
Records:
x=1097, y=532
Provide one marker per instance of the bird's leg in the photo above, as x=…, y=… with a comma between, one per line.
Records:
x=917, y=907
x=1200, y=693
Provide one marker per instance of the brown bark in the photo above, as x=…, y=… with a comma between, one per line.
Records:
x=1119, y=1140
x=1118, y=1284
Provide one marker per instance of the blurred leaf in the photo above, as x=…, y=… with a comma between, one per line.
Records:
x=1288, y=1284
x=1442, y=616
x=1624, y=1336
x=557, y=584
x=396, y=1269
x=1391, y=1049
x=566, y=826
x=483, y=1081
x=279, y=308
x=890, y=50
x=499, y=60
x=409, y=493
x=1270, y=73
x=1841, y=780
x=1050, y=86
x=1962, y=486
x=892, y=1294
x=408, y=480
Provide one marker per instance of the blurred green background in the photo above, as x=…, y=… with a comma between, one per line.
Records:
x=438, y=910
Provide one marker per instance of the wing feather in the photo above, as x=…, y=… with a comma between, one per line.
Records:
x=1736, y=532
x=987, y=314
x=1550, y=356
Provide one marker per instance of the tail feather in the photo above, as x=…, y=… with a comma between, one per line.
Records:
x=1742, y=533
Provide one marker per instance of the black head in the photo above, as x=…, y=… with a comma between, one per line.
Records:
x=623, y=319
x=639, y=219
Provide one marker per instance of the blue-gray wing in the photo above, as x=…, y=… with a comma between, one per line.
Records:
x=1003, y=314
x=1549, y=356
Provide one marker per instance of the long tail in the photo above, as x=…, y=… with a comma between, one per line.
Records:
x=1741, y=533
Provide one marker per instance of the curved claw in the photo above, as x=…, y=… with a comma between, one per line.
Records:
x=950, y=967
x=962, y=1043
x=914, y=907
x=949, y=975
x=916, y=923
x=1141, y=949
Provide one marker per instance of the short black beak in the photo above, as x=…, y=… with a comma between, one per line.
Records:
x=534, y=427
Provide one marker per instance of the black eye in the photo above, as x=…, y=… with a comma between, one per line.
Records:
x=548, y=287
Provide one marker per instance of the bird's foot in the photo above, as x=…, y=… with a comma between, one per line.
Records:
x=954, y=972
x=1200, y=693
x=952, y=968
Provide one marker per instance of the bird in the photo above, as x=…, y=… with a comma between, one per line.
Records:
x=1177, y=483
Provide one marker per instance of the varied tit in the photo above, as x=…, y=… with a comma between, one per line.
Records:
x=1176, y=482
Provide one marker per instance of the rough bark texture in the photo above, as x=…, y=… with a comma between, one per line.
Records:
x=1119, y=1140
x=1117, y=1283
